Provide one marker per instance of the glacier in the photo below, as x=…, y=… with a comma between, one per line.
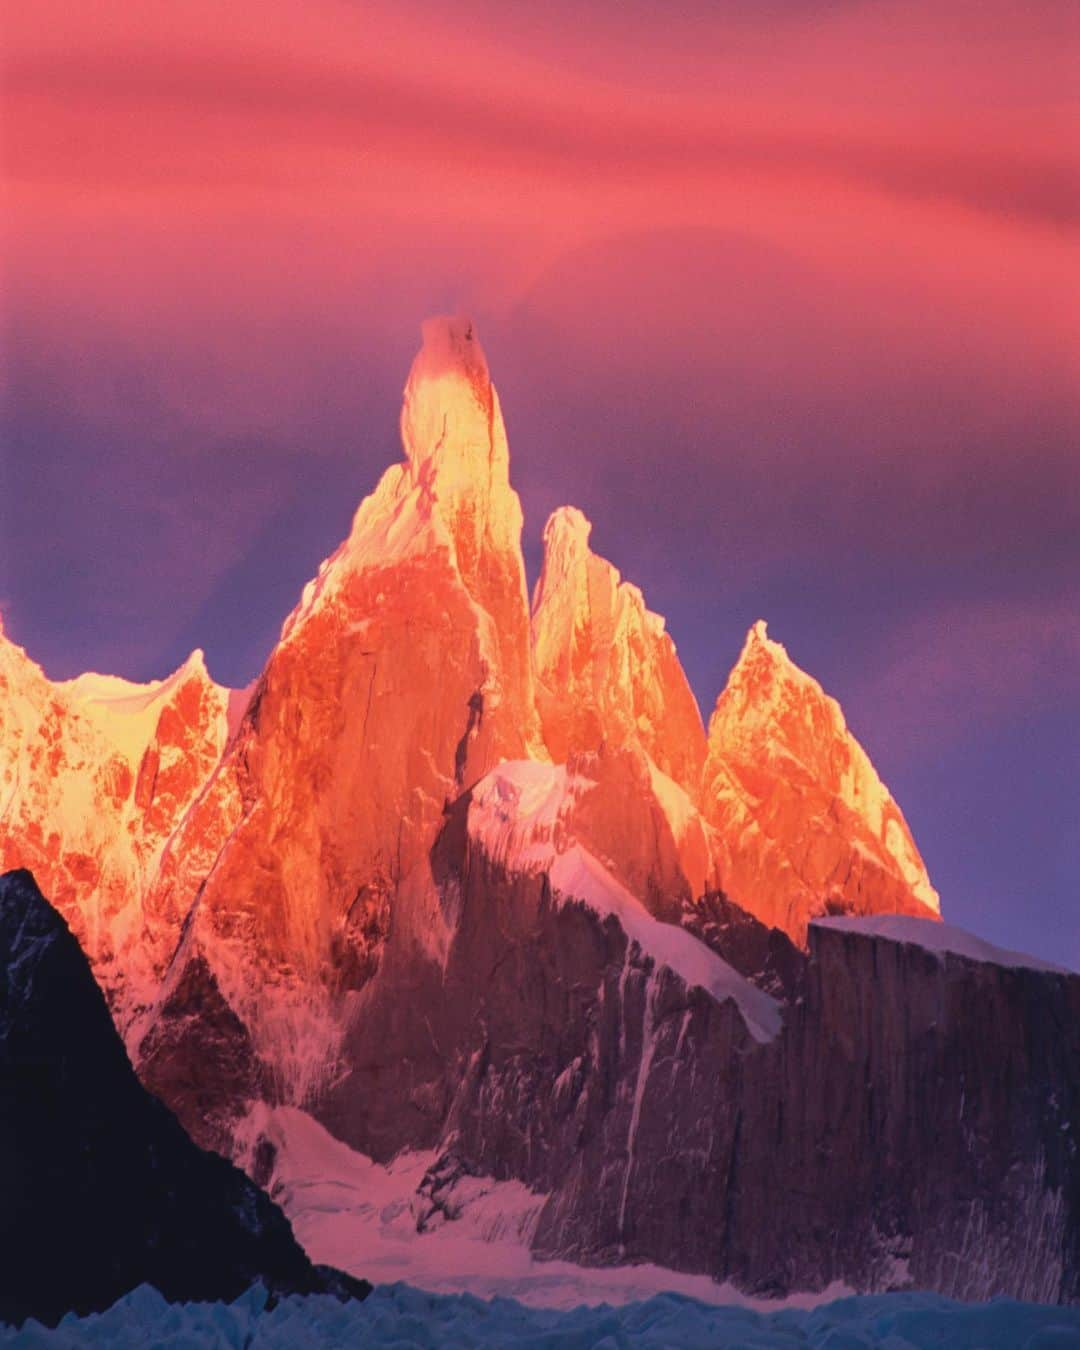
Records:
x=398, y=1315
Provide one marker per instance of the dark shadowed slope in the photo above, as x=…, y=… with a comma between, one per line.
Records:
x=100, y=1188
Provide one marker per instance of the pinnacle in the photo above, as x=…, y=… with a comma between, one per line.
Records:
x=451, y=427
x=196, y=663
x=568, y=525
x=758, y=645
x=450, y=345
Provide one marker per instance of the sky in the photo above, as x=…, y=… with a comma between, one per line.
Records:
x=784, y=295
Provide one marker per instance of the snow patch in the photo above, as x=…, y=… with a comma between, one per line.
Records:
x=361, y=1216
x=674, y=802
x=941, y=938
x=520, y=815
x=127, y=713
x=577, y=875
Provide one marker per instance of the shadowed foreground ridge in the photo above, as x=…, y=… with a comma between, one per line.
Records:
x=910, y=1125
x=100, y=1188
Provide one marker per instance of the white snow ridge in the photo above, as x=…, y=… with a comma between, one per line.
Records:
x=520, y=814
x=943, y=939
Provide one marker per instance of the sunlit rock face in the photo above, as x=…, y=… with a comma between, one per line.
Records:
x=402, y=676
x=802, y=824
x=266, y=864
x=461, y=876
x=607, y=672
x=95, y=775
x=613, y=699
x=779, y=806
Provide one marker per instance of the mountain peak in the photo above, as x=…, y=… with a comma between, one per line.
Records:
x=567, y=528
x=452, y=490
x=607, y=673
x=566, y=558
x=758, y=644
x=765, y=675
x=455, y=445
x=786, y=778
x=450, y=422
x=449, y=343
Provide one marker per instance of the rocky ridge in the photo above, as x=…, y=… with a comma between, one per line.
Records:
x=466, y=871
x=96, y=775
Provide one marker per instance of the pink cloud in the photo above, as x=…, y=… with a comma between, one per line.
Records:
x=837, y=241
x=372, y=100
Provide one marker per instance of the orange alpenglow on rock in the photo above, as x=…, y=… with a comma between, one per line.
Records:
x=803, y=825
x=95, y=775
x=400, y=679
x=615, y=702
x=262, y=871
x=606, y=671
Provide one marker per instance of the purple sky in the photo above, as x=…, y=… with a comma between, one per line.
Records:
x=783, y=296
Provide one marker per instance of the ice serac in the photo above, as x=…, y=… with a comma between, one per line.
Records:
x=803, y=825
x=401, y=677
x=95, y=775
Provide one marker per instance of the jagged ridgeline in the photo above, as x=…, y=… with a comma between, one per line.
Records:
x=464, y=869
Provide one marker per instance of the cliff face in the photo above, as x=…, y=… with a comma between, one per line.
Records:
x=946, y=1091
x=911, y=1122
x=900, y=1114
x=530, y=950
x=459, y=875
